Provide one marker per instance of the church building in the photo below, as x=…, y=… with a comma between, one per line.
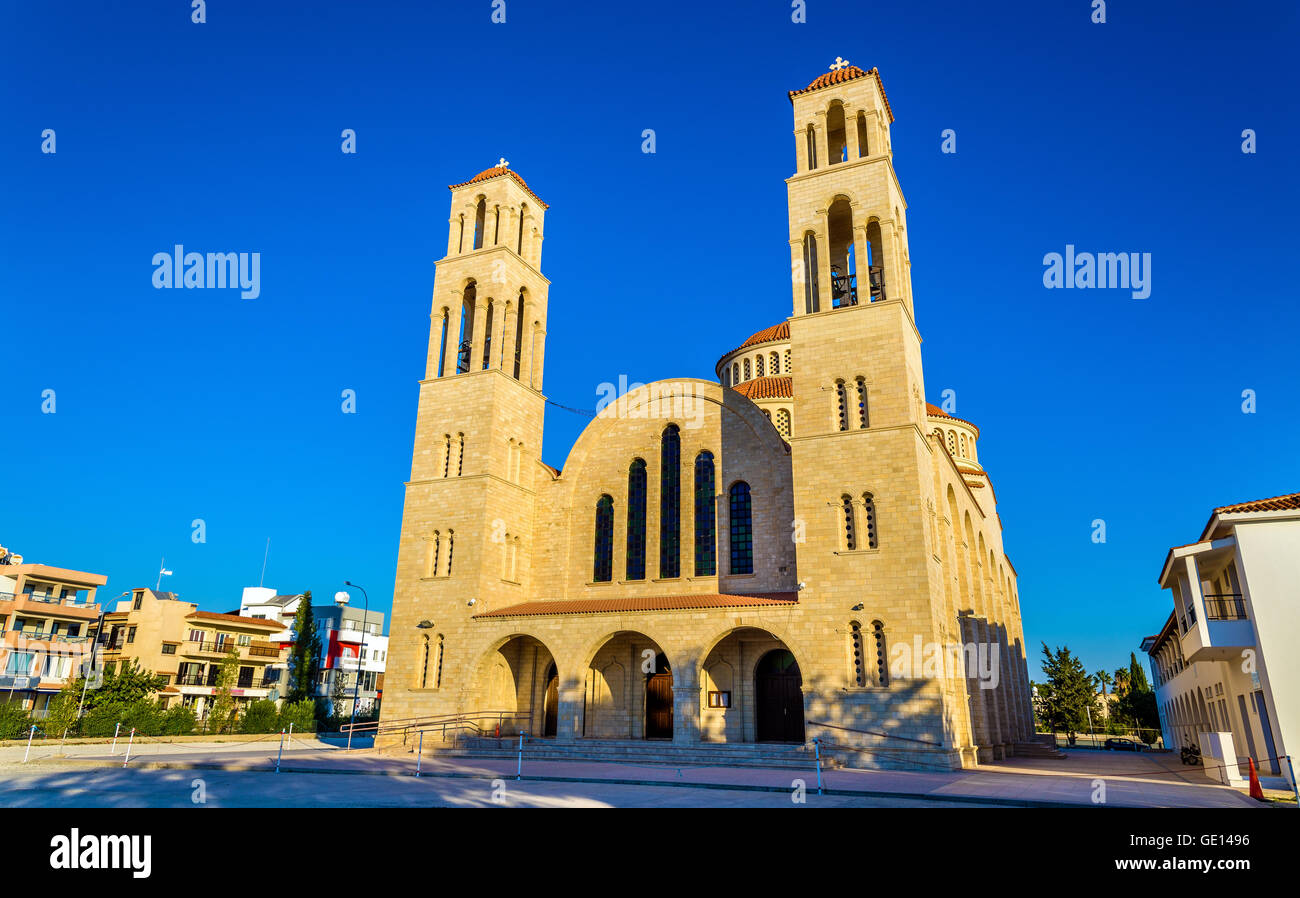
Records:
x=802, y=548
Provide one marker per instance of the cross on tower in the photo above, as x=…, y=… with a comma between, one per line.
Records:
x=838, y=64
x=502, y=163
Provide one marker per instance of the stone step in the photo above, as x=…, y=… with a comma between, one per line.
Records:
x=652, y=753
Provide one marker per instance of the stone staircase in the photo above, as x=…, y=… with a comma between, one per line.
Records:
x=1043, y=745
x=640, y=752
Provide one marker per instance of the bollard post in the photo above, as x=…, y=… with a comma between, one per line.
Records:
x=116, y=729
x=280, y=753
x=30, y=734
x=419, y=753
x=519, y=768
x=817, y=750
x=291, y=734
x=129, y=740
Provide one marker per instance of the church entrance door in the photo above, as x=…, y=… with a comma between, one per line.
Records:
x=778, y=698
x=659, y=701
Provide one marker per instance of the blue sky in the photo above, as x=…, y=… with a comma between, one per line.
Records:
x=176, y=405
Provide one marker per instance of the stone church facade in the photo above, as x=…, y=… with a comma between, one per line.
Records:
x=802, y=548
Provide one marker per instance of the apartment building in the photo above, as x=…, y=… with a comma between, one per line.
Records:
x=46, y=616
x=353, y=646
x=1226, y=671
x=187, y=646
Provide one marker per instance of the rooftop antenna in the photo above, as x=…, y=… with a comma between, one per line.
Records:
x=265, y=555
x=162, y=572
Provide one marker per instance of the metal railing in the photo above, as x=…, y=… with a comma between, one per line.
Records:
x=214, y=647
x=472, y=723
x=69, y=601
x=1224, y=606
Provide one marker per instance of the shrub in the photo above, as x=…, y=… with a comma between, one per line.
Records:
x=259, y=717
x=178, y=721
x=302, y=714
x=14, y=721
x=145, y=716
x=101, y=720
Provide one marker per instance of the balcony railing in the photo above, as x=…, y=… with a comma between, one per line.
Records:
x=70, y=601
x=1224, y=606
x=264, y=650
x=202, y=679
x=218, y=648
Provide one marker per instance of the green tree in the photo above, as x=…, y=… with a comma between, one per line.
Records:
x=1103, y=679
x=304, y=656
x=124, y=683
x=62, y=715
x=178, y=720
x=223, y=702
x=338, y=694
x=1069, y=693
x=15, y=723
x=1137, y=677
x=301, y=714
x=260, y=717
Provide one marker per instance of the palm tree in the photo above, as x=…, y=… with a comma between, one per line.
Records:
x=1104, y=679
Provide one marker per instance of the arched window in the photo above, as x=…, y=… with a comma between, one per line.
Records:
x=811, y=301
x=446, y=455
x=424, y=665
x=496, y=225
x=849, y=530
x=836, y=139
x=603, y=566
x=811, y=135
x=952, y=442
x=864, y=148
x=480, y=214
x=437, y=670
x=869, y=520
x=786, y=366
x=742, y=529
x=670, y=503
x=442, y=342
x=487, y=336
x=882, y=657
x=706, y=555
x=962, y=438
x=636, y=497
x=863, y=419
x=451, y=546
x=776, y=363
x=431, y=546
x=519, y=335
x=758, y=365
x=747, y=369
x=460, y=240
x=841, y=405
x=856, y=650
x=726, y=376
x=783, y=422
x=460, y=454
x=523, y=215
x=735, y=373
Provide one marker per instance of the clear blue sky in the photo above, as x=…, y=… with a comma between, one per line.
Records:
x=174, y=405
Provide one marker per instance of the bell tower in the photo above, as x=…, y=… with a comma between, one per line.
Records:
x=860, y=456
x=468, y=514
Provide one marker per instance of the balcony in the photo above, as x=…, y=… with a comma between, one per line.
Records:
x=194, y=647
x=263, y=650
x=201, y=679
x=1223, y=634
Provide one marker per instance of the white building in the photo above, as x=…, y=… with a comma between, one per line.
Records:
x=1225, y=664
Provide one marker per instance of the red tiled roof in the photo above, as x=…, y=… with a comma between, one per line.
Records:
x=936, y=412
x=642, y=603
x=839, y=76
x=1289, y=502
x=237, y=619
x=766, y=388
x=495, y=172
x=773, y=334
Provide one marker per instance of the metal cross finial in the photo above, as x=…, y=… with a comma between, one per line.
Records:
x=838, y=64
x=502, y=163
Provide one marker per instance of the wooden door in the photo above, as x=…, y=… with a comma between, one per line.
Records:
x=778, y=698
x=659, y=701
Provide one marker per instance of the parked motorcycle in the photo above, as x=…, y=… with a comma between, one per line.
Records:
x=1191, y=754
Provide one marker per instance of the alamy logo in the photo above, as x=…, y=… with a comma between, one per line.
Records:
x=1101, y=271
x=78, y=852
x=216, y=270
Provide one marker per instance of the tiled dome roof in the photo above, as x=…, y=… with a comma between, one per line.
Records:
x=839, y=76
x=766, y=388
x=935, y=412
x=497, y=171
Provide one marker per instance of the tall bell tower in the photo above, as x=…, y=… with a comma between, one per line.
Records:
x=468, y=512
x=861, y=461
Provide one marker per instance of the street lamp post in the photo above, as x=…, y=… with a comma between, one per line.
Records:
x=341, y=598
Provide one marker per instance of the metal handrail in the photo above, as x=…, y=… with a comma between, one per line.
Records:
x=469, y=720
x=1224, y=606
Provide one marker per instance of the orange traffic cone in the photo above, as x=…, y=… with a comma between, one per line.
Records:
x=1255, y=791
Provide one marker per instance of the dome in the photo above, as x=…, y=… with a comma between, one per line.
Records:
x=766, y=388
x=497, y=171
x=841, y=75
